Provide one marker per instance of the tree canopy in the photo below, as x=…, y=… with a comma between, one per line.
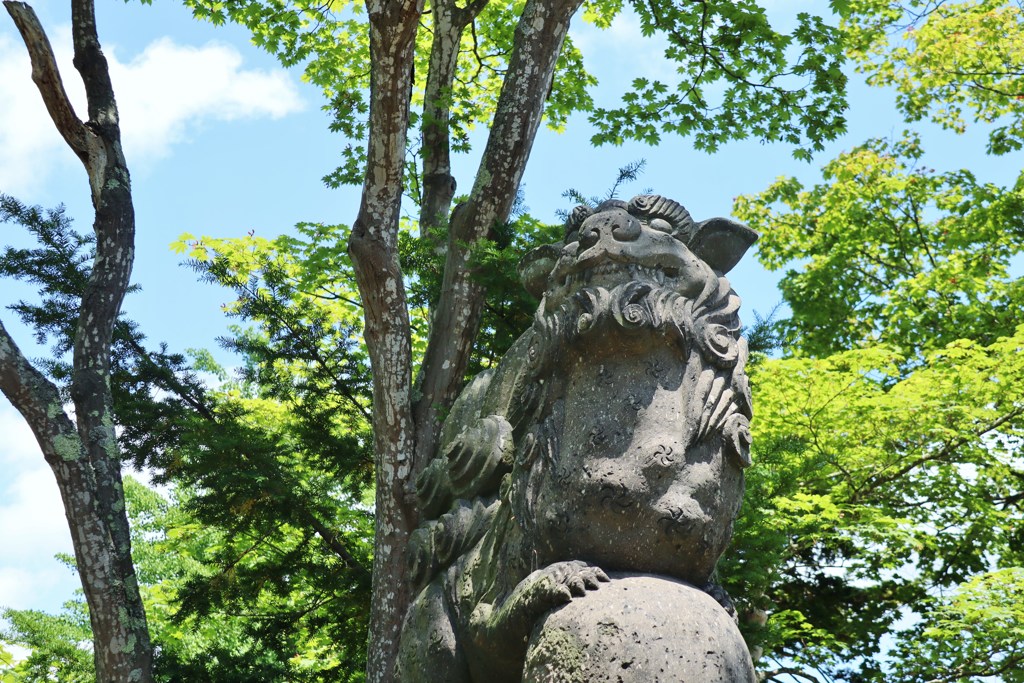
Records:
x=889, y=491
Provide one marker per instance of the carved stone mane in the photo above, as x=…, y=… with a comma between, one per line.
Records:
x=611, y=438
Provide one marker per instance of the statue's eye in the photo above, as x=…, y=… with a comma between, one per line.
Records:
x=661, y=225
x=576, y=218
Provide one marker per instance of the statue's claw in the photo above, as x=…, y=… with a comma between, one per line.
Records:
x=578, y=577
x=501, y=631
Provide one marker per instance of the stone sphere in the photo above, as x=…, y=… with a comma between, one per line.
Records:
x=639, y=629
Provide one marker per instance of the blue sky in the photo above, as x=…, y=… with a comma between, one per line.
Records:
x=221, y=141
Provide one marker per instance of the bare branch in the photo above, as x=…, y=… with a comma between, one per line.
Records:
x=92, y=65
x=790, y=671
x=83, y=142
x=438, y=183
x=335, y=544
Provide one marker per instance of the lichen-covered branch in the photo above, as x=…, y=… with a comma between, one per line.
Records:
x=30, y=392
x=449, y=23
x=82, y=141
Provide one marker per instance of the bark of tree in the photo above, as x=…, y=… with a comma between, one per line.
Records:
x=406, y=428
x=373, y=247
x=449, y=24
x=84, y=454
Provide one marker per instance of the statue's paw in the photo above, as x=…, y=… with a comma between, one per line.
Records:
x=559, y=583
x=576, y=576
x=503, y=630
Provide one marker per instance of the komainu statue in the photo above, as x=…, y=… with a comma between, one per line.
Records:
x=585, y=487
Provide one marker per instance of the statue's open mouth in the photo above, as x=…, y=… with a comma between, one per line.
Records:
x=611, y=273
x=600, y=267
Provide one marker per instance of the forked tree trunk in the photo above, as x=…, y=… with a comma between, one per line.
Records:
x=539, y=36
x=84, y=457
x=406, y=428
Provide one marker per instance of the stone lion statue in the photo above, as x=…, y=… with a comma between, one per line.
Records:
x=585, y=487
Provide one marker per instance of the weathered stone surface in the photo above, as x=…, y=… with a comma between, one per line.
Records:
x=638, y=629
x=612, y=437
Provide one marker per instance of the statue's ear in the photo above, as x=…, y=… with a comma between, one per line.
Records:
x=536, y=266
x=721, y=243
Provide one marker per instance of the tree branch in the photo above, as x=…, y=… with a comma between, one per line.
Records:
x=92, y=65
x=538, y=41
x=789, y=671
x=940, y=454
x=449, y=23
x=335, y=544
x=36, y=398
x=82, y=141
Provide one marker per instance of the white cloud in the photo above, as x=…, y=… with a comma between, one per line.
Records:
x=32, y=515
x=28, y=140
x=40, y=588
x=169, y=87
x=32, y=524
x=163, y=93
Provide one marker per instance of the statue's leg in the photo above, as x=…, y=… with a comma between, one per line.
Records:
x=499, y=633
x=430, y=651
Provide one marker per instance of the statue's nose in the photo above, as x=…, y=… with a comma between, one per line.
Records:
x=616, y=224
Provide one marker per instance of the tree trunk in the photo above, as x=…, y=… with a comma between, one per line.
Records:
x=373, y=247
x=85, y=457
